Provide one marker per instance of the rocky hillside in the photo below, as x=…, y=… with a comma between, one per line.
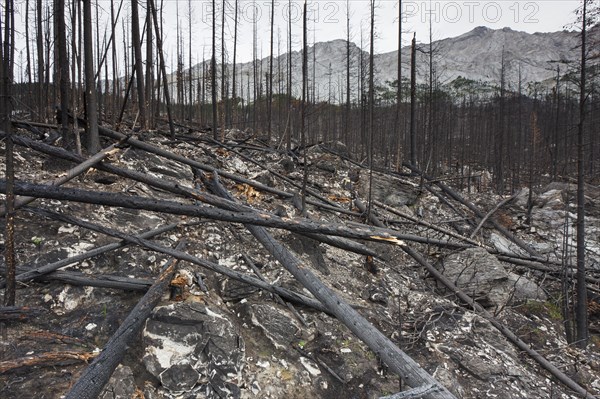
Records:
x=468, y=303
x=475, y=55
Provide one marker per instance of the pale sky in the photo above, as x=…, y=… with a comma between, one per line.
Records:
x=327, y=21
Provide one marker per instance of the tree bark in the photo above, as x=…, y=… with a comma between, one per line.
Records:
x=93, y=138
x=581, y=311
x=163, y=71
x=96, y=375
x=63, y=68
x=41, y=271
x=398, y=361
x=137, y=52
x=283, y=292
x=296, y=225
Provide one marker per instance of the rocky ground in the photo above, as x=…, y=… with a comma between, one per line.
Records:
x=213, y=337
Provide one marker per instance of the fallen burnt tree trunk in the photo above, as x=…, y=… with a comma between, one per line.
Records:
x=175, y=188
x=90, y=280
x=398, y=361
x=100, y=281
x=169, y=155
x=274, y=173
x=96, y=375
x=541, y=360
x=426, y=224
x=48, y=359
x=70, y=174
x=19, y=313
x=267, y=220
x=41, y=271
x=283, y=292
x=523, y=245
x=512, y=337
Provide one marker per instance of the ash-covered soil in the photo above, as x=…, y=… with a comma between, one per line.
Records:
x=214, y=337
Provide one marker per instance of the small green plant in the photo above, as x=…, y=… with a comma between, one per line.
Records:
x=542, y=309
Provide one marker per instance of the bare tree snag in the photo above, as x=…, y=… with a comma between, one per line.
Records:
x=137, y=52
x=93, y=139
x=163, y=71
x=6, y=78
x=398, y=361
x=96, y=375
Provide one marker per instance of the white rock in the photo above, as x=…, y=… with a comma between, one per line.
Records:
x=264, y=364
x=310, y=366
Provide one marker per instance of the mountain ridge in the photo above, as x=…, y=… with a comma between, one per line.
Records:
x=475, y=55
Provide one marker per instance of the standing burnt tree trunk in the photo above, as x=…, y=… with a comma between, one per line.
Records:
x=581, y=311
x=303, y=107
x=371, y=105
x=399, y=128
x=40, y=60
x=6, y=75
x=234, y=72
x=348, y=105
x=413, y=101
x=149, y=69
x=63, y=68
x=163, y=72
x=137, y=53
x=213, y=71
x=91, y=101
x=270, y=94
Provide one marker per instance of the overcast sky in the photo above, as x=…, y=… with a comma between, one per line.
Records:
x=327, y=21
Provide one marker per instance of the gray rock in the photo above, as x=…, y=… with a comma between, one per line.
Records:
x=390, y=191
x=265, y=177
x=312, y=248
x=179, y=377
x=484, y=278
x=326, y=165
x=502, y=244
x=233, y=290
x=280, y=328
x=187, y=344
x=121, y=384
x=552, y=199
x=338, y=147
x=522, y=199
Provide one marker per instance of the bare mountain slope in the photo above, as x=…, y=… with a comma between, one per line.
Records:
x=475, y=55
